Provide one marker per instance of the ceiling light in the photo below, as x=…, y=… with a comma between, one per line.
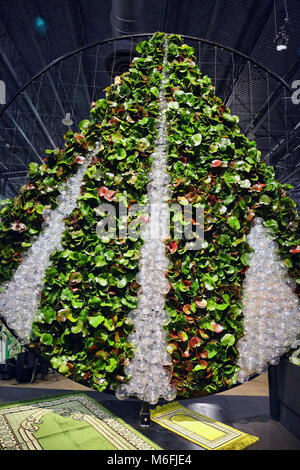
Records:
x=281, y=43
x=67, y=121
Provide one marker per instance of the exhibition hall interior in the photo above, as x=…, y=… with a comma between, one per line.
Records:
x=149, y=227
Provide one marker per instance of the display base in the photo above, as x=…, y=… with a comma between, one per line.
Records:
x=145, y=414
x=284, y=386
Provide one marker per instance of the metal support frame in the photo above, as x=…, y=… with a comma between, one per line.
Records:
x=257, y=43
x=272, y=101
x=145, y=414
x=31, y=106
x=82, y=49
x=74, y=40
x=40, y=54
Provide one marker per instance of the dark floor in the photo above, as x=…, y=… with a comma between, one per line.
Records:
x=246, y=413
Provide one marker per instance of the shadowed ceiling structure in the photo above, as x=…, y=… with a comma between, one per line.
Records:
x=34, y=33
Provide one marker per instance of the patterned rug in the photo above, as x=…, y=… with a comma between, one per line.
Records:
x=205, y=432
x=73, y=422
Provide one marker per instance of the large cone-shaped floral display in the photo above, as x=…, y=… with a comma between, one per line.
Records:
x=153, y=312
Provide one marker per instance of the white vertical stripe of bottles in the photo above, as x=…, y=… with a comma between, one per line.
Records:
x=149, y=380
x=271, y=310
x=21, y=297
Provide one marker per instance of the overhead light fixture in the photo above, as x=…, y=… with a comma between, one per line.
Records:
x=67, y=121
x=281, y=37
x=281, y=42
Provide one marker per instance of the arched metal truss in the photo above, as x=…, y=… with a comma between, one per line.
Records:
x=31, y=121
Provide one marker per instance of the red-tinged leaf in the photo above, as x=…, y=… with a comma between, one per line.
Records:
x=172, y=247
x=250, y=216
x=69, y=365
x=113, y=121
x=184, y=160
x=171, y=347
x=29, y=186
x=216, y=163
x=187, y=283
x=201, y=365
x=189, y=319
x=79, y=138
x=79, y=160
x=110, y=196
x=183, y=336
x=188, y=366
x=87, y=375
x=211, y=199
x=201, y=303
x=173, y=334
x=204, y=354
x=159, y=67
x=216, y=328
x=129, y=119
x=194, y=342
x=126, y=361
x=186, y=353
x=120, y=110
x=258, y=187
x=101, y=191
x=93, y=348
x=61, y=317
x=74, y=289
x=203, y=334
x=209, y=375
x=187, y=308
x=18, y=226
x=295, y=250
x=244, y=270
x=106, y=193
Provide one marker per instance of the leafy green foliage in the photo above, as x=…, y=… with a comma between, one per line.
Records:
x=222, y=171
x=89, y=288
x=82, y=324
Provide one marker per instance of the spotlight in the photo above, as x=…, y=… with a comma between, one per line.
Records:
x=67, y=121
x=281, y=43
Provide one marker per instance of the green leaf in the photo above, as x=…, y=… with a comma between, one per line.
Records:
x=84, y=124
x=103, y=282
x=196, y=139
x=264, y=199
x=47, y=339
x=228, y=340
x=121, y=282
x=63, y=368
x=95, y=321
x=55, y=362
x=94, y=301
x=66, y=294
x=221, y=306
x=245, y=259
x=234, y=222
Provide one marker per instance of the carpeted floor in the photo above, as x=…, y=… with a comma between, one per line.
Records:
x=245, y=408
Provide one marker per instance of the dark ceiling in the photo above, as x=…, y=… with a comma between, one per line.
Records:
x=33, y=33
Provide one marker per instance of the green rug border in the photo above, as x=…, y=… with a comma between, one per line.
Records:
x=13, y=404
